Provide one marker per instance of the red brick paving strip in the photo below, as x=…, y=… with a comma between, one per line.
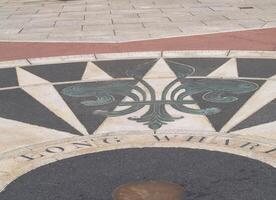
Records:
x=261, y=40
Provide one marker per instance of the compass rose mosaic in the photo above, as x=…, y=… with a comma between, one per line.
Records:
x=178, y=105
x=212, y=90
x=193, y=94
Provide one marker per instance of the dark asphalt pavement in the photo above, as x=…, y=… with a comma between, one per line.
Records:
x=206, y=175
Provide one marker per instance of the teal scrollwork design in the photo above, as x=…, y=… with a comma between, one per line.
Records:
x=212, y=90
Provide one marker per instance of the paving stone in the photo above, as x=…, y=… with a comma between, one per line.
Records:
x=150, y=10
x=95, y=17
x=72, y=17
x=270, y=24
x=28, y=36
x=27, y=12
x=10, y=31
x=11, y=26
x=239, y=15
x=133, y=36
x=224, y=8
x=120, y=32
x=123, y=38
x=97, y=32
x=98, y=27
x=221, y=22
x=45, y=16
x=271, y=17
x=130, y=15
x=49, y=10
x=176, y=13
x=250, y=23
x=198, y=11
x=127, y=26
x=76, y=15
x=3, y=17
x=155, y=19
x=119, y=7
x=158, y=25
x=26, y=17
x=126, y=21
x=101, y=6
x=168, y=6
x=99, y=12
x=97, y=38
x=99, y=21
x=36, y=29
x=63, y=30
x=74, y=8
x=170, y=14
x=65, y=23
x=198, y=30
x=59, y=37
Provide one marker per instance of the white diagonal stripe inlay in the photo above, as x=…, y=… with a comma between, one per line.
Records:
x=15, y=134
x=267, y=130
x=48, y=96
x=263, y=96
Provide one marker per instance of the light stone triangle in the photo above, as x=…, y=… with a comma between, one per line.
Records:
x=93, y=72
x=228, y=69
x=15, y=134
x=259, y=99
x=26, y=78
x=160, y=70
x=190, y=122
x=56, y=104
x=267, y=130
x=48, y=96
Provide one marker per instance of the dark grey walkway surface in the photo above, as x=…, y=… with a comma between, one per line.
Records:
x=206, y=175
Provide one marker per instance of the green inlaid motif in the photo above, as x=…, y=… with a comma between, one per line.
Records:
x=212, y=90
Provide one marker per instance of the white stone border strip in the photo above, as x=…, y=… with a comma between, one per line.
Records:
x=252, y=54
x=62, y=59
x=139, y=55
x=14, y=63
x=196, y=54
x=23, y=160
x=129, y=55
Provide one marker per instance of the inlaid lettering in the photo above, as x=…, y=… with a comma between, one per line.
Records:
x=54, y=149
x=249, y=145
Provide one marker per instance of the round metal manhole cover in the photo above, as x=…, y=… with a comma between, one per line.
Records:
x=149, y=190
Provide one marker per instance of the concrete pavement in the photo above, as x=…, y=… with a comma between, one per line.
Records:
x=128, y=20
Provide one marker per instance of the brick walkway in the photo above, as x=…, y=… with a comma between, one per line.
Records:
x=126, y=20
x=253, y=40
